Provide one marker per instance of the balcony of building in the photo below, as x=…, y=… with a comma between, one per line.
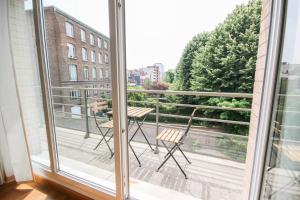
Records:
x=217, y=157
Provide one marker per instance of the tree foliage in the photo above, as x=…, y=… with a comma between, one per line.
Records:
x=183, y=69
x=169, y=76
x=227, y=61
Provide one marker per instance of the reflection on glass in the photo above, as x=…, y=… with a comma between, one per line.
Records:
x=81, y=95
x=282, y=174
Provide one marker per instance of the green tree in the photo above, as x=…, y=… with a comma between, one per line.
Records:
x=169, y=76
x=227, y=62
x=183, y=69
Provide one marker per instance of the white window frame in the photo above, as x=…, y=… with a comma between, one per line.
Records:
x=95, y=91
x=106, y=73
x=101, y=73
x=86, y=73
x=69, y=29
x=99, y=42
x=83, y=35
x=100, y=60
x=92, y=39
x=94, y=73
x=93, y=56
x=267, y=99
x=75, y=94
x=105, y=44
x=106, y=58
x=84, y=54
x=71, y=50
x=73, y=74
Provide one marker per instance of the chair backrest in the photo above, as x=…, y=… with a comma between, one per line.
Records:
x=99, y=106
x=190, y=122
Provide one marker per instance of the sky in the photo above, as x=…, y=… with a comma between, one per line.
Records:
x=156, y=30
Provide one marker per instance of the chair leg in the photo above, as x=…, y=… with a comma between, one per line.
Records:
x=171, y=155
x=106, y=141
x=103, y=136
x=184, y=155
x=139, y=127
x=134, y=154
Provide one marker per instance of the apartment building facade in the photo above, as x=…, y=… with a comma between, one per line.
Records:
x=79, y=57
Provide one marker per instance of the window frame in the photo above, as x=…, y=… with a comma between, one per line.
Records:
x=71, y=46
x=71, y=68
x=84, y=56
x=116, y=10
x=106, y=60
x=105, y=44
x=92, y=39
x=94, y=73
x=99, y=42
x=83, y=39
x=86, y=73
x=70, y=32
x=75, y=97
x=93, y=56
x=100, y=57
x=267, y=99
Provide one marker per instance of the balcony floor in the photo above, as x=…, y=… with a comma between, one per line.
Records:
x=210, y=178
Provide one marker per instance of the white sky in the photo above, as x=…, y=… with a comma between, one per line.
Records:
x=156, y=30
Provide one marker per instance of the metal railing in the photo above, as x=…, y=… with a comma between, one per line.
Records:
x=61, y=97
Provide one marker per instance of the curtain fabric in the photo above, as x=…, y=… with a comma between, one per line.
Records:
x=13, y=146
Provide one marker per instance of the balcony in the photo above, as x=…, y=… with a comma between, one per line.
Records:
x=217, y=157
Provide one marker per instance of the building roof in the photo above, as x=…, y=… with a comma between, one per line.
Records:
x=57, y=10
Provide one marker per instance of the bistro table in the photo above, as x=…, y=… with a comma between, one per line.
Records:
x=137, y=115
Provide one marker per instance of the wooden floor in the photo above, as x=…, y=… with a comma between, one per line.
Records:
x=37, y=191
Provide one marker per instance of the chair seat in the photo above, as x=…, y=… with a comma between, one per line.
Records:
x=108, y=124
x=170, y=135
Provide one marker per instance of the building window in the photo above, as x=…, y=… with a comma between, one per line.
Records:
x=95, y=91
x=101, y=73
x=105, y=45
x=73, y=72
x=84, y=54
x=82, y=35
x=69, y=29
x=106, y=73
x=106, y=58
x=92, y=41
x=94, y=73
x=86, y=73
x=99, y=42
x=75, y=94
x=100, y=58
x=93, y=56
x=71, y=50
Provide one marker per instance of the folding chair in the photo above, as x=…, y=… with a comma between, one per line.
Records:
x=96, y=107
x=176, y=138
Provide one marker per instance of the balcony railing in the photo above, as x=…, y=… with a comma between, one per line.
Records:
x=205, y=140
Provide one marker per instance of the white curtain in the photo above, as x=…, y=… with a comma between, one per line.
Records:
x=13, y=146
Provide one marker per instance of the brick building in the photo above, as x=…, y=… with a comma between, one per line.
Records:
x=79, y=57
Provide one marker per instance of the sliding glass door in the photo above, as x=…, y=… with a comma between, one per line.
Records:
x=282, y=170
x=79, y=64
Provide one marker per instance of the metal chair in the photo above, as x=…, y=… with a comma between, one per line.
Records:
x=100, y=106
x=176, y=138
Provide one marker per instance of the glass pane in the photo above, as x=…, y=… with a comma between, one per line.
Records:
x=27, y=78
x=282, y=172
x=81, y=101
x=179, y=54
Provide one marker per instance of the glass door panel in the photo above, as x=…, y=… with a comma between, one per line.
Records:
x=282, y=170
x=78, y=48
